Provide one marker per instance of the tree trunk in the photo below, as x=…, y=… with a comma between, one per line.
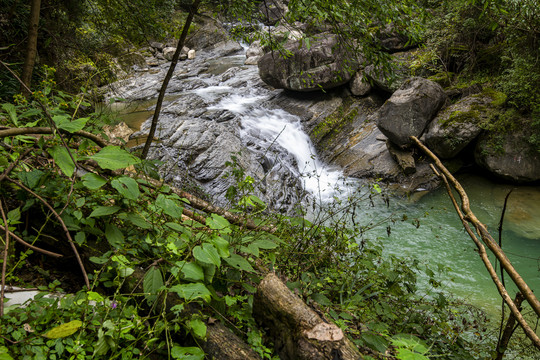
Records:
x=31, y=48
x=298, y=332
x=168, y=77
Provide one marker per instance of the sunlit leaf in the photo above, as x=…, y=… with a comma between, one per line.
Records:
x=104, y=210
x=62, y=159
x=187, y=353
x=64, y=330
x=207, y=253
x=114, y=158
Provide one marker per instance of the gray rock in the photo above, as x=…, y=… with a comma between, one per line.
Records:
x=168, y=53
x=409, y=110
x=225, y=48
x=457, y=125
x=272, y=11
x=208, y=32
x=359, y=85
x=156, y=45
x=509, y=156
x=324, y=66
x=404, y=159
x=191, y=54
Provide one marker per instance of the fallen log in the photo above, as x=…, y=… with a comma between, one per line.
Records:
x=298, y=332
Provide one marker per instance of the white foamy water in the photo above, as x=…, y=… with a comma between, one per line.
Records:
x=280, y=127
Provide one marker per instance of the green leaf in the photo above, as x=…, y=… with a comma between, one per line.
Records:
x=65, y=123
x=375, y=342
x=114, y=236
x=64, y=330
x=192, y=291
x=14, y=216
x=198, y=327
x=62, y=159
x=93, y=181
x=407, y=354
x=221, y=245
x=192, y=271
x=31, y=178
x=12, y=112
x=152, y=283
x=114, y=158
x=174, y=226
x=169, y=206
x=217, y=222
x=135, y=219
x=4, y=354
x=127, y=187
x=104, y=210
x=265, y=244
x=207, y=253
x=187, y=353
x=321, y=299
x=239, y=262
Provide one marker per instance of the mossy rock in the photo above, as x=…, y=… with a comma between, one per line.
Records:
x=442, y=78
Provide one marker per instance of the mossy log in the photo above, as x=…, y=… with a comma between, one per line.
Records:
x=298, y=332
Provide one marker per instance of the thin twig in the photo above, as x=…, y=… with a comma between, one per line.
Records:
x=4, y=264
x=66, y=231
x=30, y=246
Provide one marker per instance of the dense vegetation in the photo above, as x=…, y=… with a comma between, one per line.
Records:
x=155, y=268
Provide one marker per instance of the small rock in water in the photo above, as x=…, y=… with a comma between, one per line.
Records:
x=191, y=54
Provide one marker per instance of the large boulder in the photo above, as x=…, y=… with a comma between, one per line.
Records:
x=208, y=32
x=325, y=65
x=509, y=156
x=458, y=125
x=409, y=110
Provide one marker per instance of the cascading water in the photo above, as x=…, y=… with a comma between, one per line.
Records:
x=218, y=102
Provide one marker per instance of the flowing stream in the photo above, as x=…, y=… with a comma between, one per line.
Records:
x=428, y=228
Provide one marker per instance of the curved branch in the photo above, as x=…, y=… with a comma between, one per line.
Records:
x=66, y=231
x=484, y=234
x=45, y=130
x=33, y=247
x=514, y=308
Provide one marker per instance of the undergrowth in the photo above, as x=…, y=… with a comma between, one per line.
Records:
x=159, y=271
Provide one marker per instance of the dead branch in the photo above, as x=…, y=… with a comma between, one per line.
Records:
x=47, y=130
x=66, y=231
x=205, y=206
x=467, y=216
x=30, y=246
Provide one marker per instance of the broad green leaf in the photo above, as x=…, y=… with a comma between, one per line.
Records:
x=198, y=327
x=187, y=353
x=127, y=187
x=217, y=222
x=375, y=342
x=152, y=283
x=31, y=178
x=93, y=181
x=125, y=271
x=192, y=271
x=135, y=219
x=12, y=112
x=192, y=291
x=4, y=353
x=321, y=299
x=207, y=253
x=169, y=206
x=407, y=354
x=14, y=216
x=114, y=158
x=239, y=262
x=65, y=123
x=104, y=210
x=174, y=226
x=102, y=345
x=64, y=330
x=265, y=244
x=114, y=236
x=221, y=245
x=62, y=159
x=94, y=296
